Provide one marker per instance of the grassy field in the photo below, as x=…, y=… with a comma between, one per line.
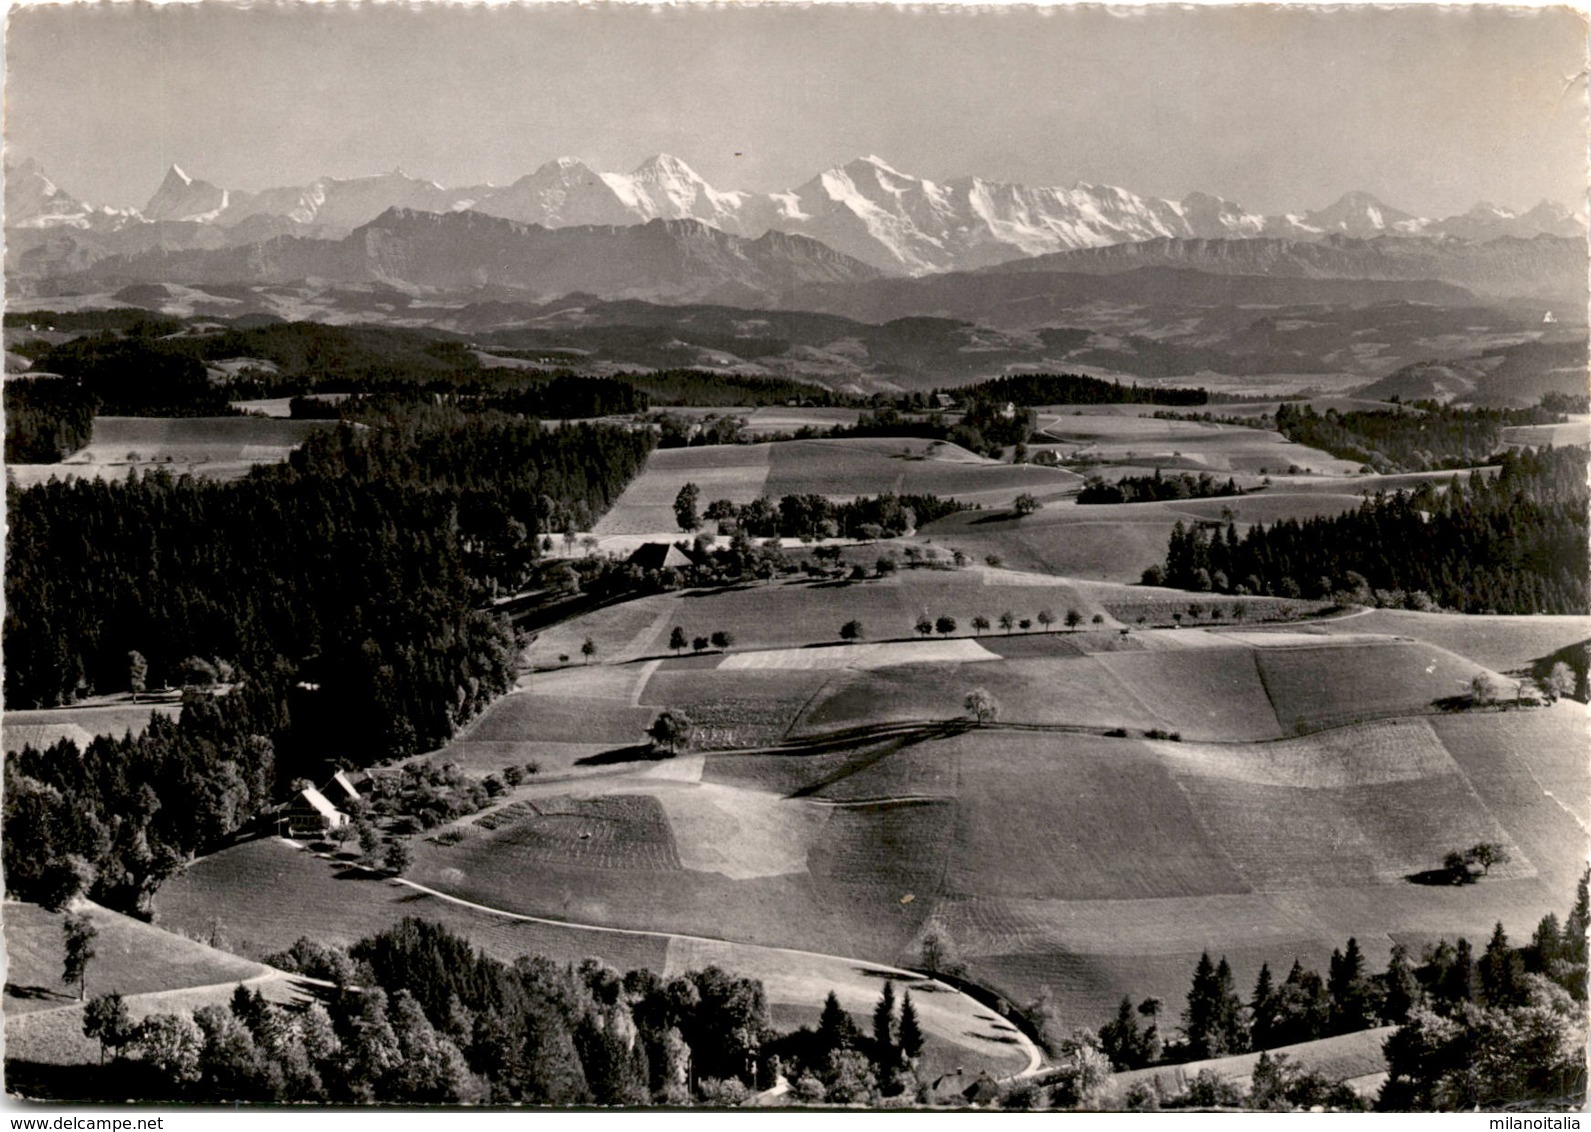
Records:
x=736, y=472
x=795, y=614
x=1505, y=644
x=1113, y=439
x=1202, y=693
x=1269, y=506
x=80, y=723
x=1073, y=818
x=130, y=957
x=266, y=894
x=842, y=469
x=1065, y=539
x=213, y=447
x=1314, y=687
x=1355, y=1057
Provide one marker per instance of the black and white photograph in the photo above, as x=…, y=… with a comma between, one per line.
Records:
x=834, y=557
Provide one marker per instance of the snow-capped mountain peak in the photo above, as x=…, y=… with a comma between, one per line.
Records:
x=181, y=197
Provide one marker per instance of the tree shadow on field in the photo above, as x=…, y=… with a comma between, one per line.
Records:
x=18, y=990
x=995, y=517
x=636, y=753
x=1436, y=878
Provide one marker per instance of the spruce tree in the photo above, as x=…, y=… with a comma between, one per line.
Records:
x=911, y=1032
x=1229, y=1010
x=1346, y=986
x=1502, y=972
x=1262, y=1007
x=1402, y=989
x=836, y=1031
x=884, y=1023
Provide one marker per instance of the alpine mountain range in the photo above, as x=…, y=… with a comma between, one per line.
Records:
x=870, y=219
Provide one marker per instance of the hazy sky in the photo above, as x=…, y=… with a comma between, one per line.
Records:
x=1278, y=109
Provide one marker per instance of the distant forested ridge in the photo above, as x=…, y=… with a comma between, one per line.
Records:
x=1514, y=543
x=1428, y=438
x=1075, y=389
x=47, y=419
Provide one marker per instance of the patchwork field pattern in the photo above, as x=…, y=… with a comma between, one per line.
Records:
x=1202, y=693
x=628, y=831
x=1313, y=688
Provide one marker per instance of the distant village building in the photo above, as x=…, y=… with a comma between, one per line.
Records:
x=944, y=401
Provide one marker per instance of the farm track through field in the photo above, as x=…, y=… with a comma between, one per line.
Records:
x=1035, y=1058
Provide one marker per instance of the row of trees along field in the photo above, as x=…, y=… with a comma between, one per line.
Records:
x=1145, y=489
x=344, y=588
x=1513, y=543
x=811, y=516
x=1427, y=437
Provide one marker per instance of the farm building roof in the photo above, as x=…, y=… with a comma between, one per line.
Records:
x=342, y=786
x=660, y=556
x=318, y=802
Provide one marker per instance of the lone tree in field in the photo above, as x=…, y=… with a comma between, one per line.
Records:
x=1007, y=619
x=1466, y=866
x=78, y=934
x=588, y=649
x=937, y=953
x=945, y=626
x=981, y=706
x=1486, y=854
x=397, y=858
x=851, y=631
x=1046, y=618
x=676, y=640
x=670, y=731
x=1073, y=619
x=1482, y=689
x=685, y=507
x=1024, y=505
x=137, y=673
x=925, y=625
x=105, y=1019
x=722, y=639
x=979, y=624
x=699, y=644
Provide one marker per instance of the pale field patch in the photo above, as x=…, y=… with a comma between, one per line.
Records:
x=886, y=654
x=1371, y=754
x=739, y=833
